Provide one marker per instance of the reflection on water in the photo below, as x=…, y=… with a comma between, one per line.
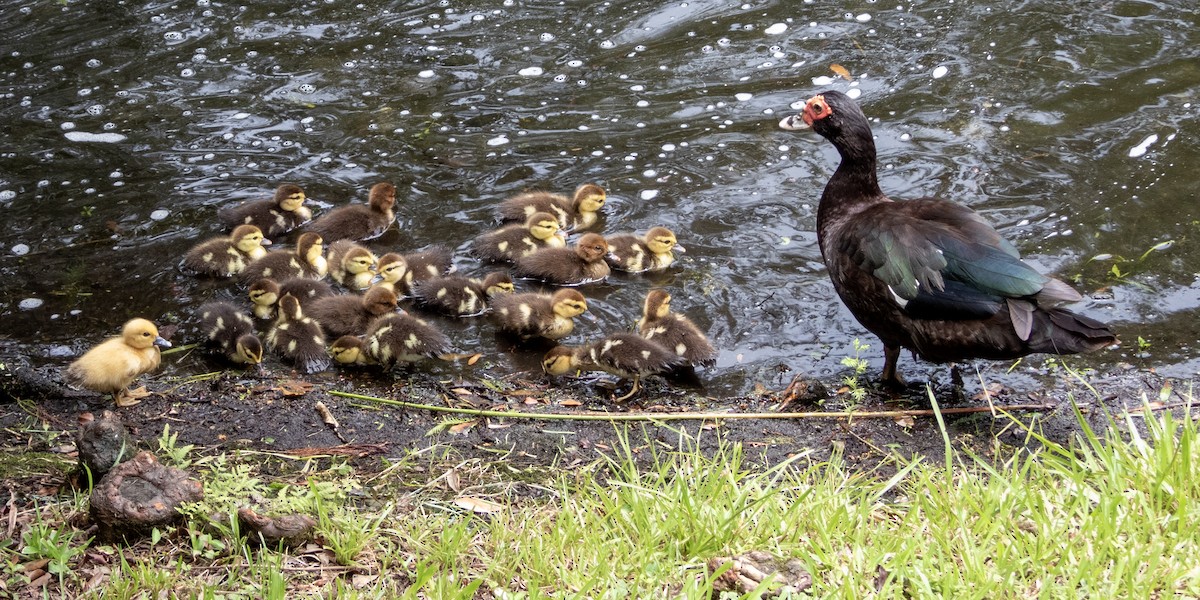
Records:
x=1072, y=128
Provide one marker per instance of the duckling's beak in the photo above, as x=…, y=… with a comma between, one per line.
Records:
x=680, y=249
x=561, y=233
x=161, y=343
x=376, y=279
x=266, y=242
x=612, y=256
x=794, y=123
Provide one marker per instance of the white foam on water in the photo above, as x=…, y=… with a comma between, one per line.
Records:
x=940, y=72
x=1141, y=148
x=530, y=72
x=648, y=194
x=776, y=29
x=83, y=136
x=499, y=140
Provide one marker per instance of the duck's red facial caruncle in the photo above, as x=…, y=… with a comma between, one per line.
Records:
x=816, y=108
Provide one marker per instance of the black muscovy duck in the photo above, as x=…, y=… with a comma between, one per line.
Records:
x=928, y=274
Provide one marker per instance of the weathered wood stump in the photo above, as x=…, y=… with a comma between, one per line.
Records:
x=291, y=531
x=103, y=443
x=138, y=495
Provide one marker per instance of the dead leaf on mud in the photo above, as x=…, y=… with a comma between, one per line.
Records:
x=462, y=391
x=991, y=390
x=474, y=358
x=570, y=403
x=498, y=424
x=477, y=505
x=463, y=427
x=292, y=388
x=905, y=421
x=359, y=581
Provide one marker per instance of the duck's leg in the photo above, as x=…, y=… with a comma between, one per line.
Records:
x=632, y=391
x=890, y=378
x=128, y=397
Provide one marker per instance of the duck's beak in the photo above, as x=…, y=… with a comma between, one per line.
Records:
x=161, y=342
x=376, y=279
x=680, y=249
x=794, y=123
x=266, y=242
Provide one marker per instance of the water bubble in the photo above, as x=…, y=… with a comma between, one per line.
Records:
x=30, y=303
x=67, y=125
x=637, y=88
x=560, y=78
x=668, y=147
x=477, y=18
x=83, y=136
x=649, y=173
x=575, y=63
x=93, y=63
x=643, y=103
x=863, y=18
x=743, y=96
x=724, y=42
x=7, y=195
x=940, y=72
x=95, y=110
x=904, y=137
x=426, y=74
x=853, y=93
x=20, y=249
x=1141, y=148
x=499, y=140
x=173, y=36
x=648, y=194
x=776, y=29
x=822, y=80
x=530, y=72
x=581, y=82
x=350, y=64
x=607, y=44
x=546, y=37
x=160, y=214
x=240, y=116
x=187, y=73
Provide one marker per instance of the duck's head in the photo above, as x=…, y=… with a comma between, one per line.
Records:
x=498, y=282
x=560, y=360
x=264, y=292
x=289, y=196
x=833, y=115
x=248, y=350
x=568, y=303
x=248, y=239
x=591, y=247
x=310, y=247
x=657, y=305
x=661, y=240
x=542, y=225
x=348, y=350
x=142, y=334
x=358, y=260
x=289, y=309
x=390, y=268
x=589, y=197
x=380, y=300
x=382, y=197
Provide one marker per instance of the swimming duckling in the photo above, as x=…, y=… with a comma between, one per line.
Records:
x=533, y=314
x=576, y=213
x=275, y=216
x=540, y=230
x=460, y=296
x=350, y=314
x=651, y=252
x=401, y=337
x=351, y=264
x=306, y=260
x=673, y=331
x=226, y=256
x=431, y=262
x=389, y=271
x=112, y=365
x=625, y=355
x=264, y=293
x=568, y=266
x=359, y=222
x=350, y=351
x=231, y=331
x=298, y=338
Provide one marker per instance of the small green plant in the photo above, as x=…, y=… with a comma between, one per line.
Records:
x=1143, y=344
x=859, y=366
x=168, y=445
x=55, y=544
x=347, y=534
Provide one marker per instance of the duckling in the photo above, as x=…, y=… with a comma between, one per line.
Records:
x=431, y=262
x=568, y=266
x=298, y=338
x=350, y=351
x=265, y=292
x=226, y=256
x=626, y=355
x=351, y=264
x=275, y=217
x=349, y=314
x=112, y=365
x=390, y=269
x=674, y=331
x=540, y=230
x=460, y=296
x=538, y=315
x=574, y=214
x=359, y=222
x=651, y=252
x=231, y=331
x=401, y=337
x=306, y=260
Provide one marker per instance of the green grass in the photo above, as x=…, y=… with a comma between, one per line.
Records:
x=1110, y=514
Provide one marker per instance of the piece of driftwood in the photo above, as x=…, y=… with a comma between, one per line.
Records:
x=138, y=495
x=755, y=568
x=290, y=531
x=103, y=443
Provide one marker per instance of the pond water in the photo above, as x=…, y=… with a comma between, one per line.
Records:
x=1072, y=126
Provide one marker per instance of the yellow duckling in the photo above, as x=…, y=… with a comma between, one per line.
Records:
x=626, y=355
x=651, y=252
x=226, y=256
x=350, y=314
x=506, y=244
x=583, y=264
x=111, y=366
x=266, y=292
x=232, y=332
x=389, y=273
x=402, y=338
x=359, y=222
x=674, y=331
x=578, y=212
x=351, y=265
x=306, y=260
x=275, y=217
x=459, y=296
x=538, y=315
x=298, y=338
x=350, y=351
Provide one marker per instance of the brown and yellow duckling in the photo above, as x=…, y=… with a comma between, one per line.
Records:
x=654, y=251
x=460, y=296
x=582, y=264
x=275, y=216
x=390, y=270
x=298, y=338
x=307, y=260
x=112, y=365
x=266, y=292
x=533, y=314
x=349, y=314
x=626, y=355
x=350, y=351
x=402, y=338
x=232, y=332
x=434, y=261
x=506, y=244
x=576, y=213
x=358, y=222
x=351, y=265
x=674, y=331
x=226, y=256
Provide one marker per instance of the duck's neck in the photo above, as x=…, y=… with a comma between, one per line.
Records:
x=855, y=183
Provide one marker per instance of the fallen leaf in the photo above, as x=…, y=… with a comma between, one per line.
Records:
x=292, y=388
x=840, y=70
x=462, y=391
x=463, y=427
x=359, y=581
x=906, y=421
x=474, y=359
x=477, y=505
x=570, y=403
x=326, y=416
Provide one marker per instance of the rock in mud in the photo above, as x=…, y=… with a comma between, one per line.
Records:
x=291, y=531
x=748, y=571
x=138, y=495
x=103, y=443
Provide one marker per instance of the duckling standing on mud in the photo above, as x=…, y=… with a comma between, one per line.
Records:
x=226, y=256
x=275, y=216
x=111, y=366
x=674, y=331
x=298, y=338
x=402, y=338
x=583, y=264
x=574, y=214
x=531, y=314
x=626, y=355
x=350, y=351
x=359, y=222
x=232, y=332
